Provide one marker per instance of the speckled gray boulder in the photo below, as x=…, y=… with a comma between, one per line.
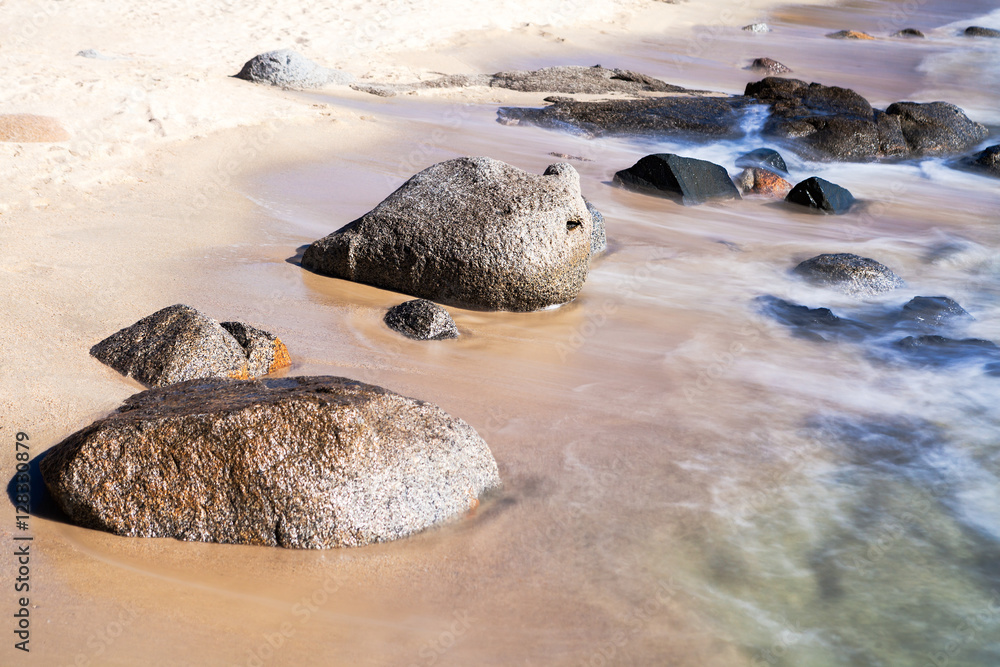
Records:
x=768, y=66
x=851, y=274
x=290, y=69
x=179, y=343
x=303, y=462
x=598, y=235
x=421, y=319
x=472, y=232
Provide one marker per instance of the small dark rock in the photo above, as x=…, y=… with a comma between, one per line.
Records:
x=472, y=232
x=934, y=311
x=987, y=161
x=849, y=34
x=933, y=350
x=812, y=323
x=769, y=66
x=765, y=158
x=667, y=175
x=851, y=274
x=821, y=195
x=598, y=235
x=936, y=128
x=421, y=319
x=908, y=32
x=299, y=462
x=979, y=31
x=290, y=69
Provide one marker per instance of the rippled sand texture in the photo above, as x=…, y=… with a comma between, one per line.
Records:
x=685, y=483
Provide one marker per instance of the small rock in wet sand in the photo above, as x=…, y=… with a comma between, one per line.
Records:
x=849, y=34
x=908, y=32
x=768, y=66
x=821, y=195
x=757, y=28
x=979, y=31
x=850, y=274
x=421, y=319
x=670, y=175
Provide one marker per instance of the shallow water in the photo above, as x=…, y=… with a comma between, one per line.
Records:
x=685, y=481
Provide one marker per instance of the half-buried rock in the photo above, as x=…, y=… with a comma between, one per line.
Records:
x=421, y=319
x=822, y=196
x=851, y=274
x=669, y=175
x=472, y=232
x=303, y=462
x=180, y=343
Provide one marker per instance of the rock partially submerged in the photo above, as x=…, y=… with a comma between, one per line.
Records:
x=932, y=311
x=763, y=182
x=765, y=158
x=29, y=128
x=936, y=128
x=179, y=343
x=301, y=462
x=986, y=161
x=757, y=28
x=850, y=34
x=848, y=273
x=421, y=319
x=908, y=32
x=979, y=31
x=812, y=323
x=290, y=69
x=935, y=350
x=472, y=232
x=769, y=66
x=822, y=196
x=669, y=175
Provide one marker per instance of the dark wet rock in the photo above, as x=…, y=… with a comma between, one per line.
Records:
x=812, y=323
x=669, y=175
x=598, y=235
x=768, y=66
x=472, y=232
x=683, y=116
x=979, y=31
x=849, y=34
x=851, y=274
x=585, y=80
x=421, y=319
x=821, y=195
x=757, y=28
x=933, y=311
x=987, y=161
x=300, y=462
x=936, y=128
x=290, y=69
x=934, y=350
x=765, y=158
x=265, y=352
x=908, y=32
x=763, y=182
x=889, y=132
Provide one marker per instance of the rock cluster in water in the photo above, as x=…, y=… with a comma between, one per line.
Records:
x=303, y=462
x=471, y=232
x=180, y=343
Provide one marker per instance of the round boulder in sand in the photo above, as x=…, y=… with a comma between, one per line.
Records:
x=851, y=274
x=303, y=462
x=421, y=319
x=472, y=232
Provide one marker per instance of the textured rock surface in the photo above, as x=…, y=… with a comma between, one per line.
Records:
x=932, y=311
x=934, y=350
x=768, y=66
x=265, y=351
x=849, y=34
x=763, y=182
x=472, y=232
x=670, y=175
x=765, y=158
x=851, y=274
x=574, y=79
x=684, y=116
x=304, y=462
x=421, y=319
x=979, y=31
x=179, y=343
x=290, y=69
x=936, y=128
x=908, y=32
x=24, y=127
x=598, y=235
x=821, y=195
x=987, y=161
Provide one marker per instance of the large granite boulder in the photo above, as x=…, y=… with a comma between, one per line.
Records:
x=290, y=69
x=668, y=175
x=179, y=343
x=821, y=195
x=304, y=462
x=472, y=232
x=936, y=128
x=848, y=273
x=421, y=319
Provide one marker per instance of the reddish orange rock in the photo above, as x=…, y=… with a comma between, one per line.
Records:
x=24, y=127
x=281, y=358
x=757, y=181
x=849, y=34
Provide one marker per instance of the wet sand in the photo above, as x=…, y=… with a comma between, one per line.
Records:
x=666, y=499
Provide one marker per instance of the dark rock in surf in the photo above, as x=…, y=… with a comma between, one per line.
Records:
x=290, y=69
x=934, y=350
x=812, y=323
x=299, y=462
x=932, y=311
x=987, y=161
x=421, y=319
x=850, y=34
x=821, y=195
x=979, y=31
x=598, y=234
x=179, y=343
x=472, y=232
x=850, y=274
x=769, y=66
x=668, y=175
x=908, y=32
x=936, y=128
x=765, y=158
